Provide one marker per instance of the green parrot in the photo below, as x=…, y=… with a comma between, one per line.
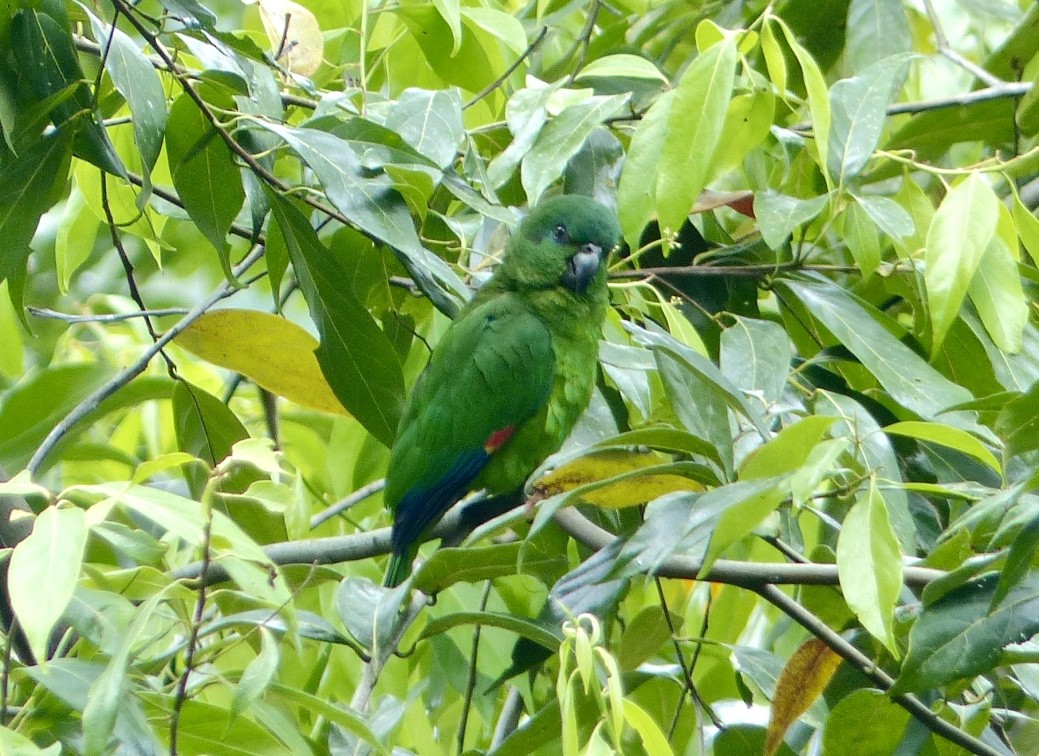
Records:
x=508, y=380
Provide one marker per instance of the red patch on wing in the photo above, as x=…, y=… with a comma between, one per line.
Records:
x=496, y=439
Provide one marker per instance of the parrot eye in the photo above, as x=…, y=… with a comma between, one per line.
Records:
x=560, y=234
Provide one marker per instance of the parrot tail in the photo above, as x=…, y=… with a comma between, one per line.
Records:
x=398, y=570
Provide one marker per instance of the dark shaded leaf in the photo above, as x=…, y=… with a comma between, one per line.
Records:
x=357, y=358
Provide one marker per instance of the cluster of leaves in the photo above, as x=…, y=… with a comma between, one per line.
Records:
x=819, y=371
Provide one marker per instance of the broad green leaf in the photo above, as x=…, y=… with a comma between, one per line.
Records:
x=803, y=679
x=451, y=12
x=372, y=204
x=204, y=173
x=863, y=723
x=869, y=565
x=28, y=185
x=644, y=636
x=355, y=355
x=779, y=215
x=693, y=131
x=447, y=566
x=19, y=745
x=996, y=289
x=889, y=216
x=137, y=81
x=258, y=676
x=1019, y=562
x=788, y=450
x=748, y=120
x=960, y=231
x=42, y=49
x=205, y=426
x=1027, y=226
x=561, y=139
x=747, y=504
x=75, y=240
x=653, y=739
x=38, y=402
x=755, y=356
x=877, y=29
x=622, y=66
x=1018, y=422
x=370, y=612
x=430, y=122
x=43, y=572
x=817, y=91
x=637, y=191
x=524, y=628
x=904, y=375
x=945, y=435
x=860, y=234
x=526, y=113
x=958, y=637
x=341, y=716
x=210, y=728
x=269, y=350
x=858, y=112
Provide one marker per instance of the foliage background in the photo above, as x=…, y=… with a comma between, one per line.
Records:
x=817, y=392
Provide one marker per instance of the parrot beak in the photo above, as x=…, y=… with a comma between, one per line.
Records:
x=582, y=267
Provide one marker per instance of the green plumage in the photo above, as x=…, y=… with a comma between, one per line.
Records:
x=506, y=383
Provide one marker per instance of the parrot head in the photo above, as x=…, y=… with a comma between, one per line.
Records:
x=563, y=242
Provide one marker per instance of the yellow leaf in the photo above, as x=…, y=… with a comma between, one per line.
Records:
x=629, y=490
x=267, y=349
x=295, y=35
x=802, y=680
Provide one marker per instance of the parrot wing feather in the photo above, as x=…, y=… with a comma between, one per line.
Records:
x=492, y=370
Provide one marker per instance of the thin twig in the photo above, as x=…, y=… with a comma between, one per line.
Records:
x=353, y=499
x=868, y=667
x=91, y=402
x=508, y=71
x=582, y=42
x=470, y=682
x=196, y=620
x=115, y=317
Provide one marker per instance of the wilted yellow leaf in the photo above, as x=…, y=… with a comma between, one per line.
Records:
x=629, y=491
x=803, y=679
x=294, y=34
x=269, y=350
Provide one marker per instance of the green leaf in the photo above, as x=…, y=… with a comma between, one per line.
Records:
x=945, y=435
x=43, y=572
x=869, y=565
x=205, y=426
x=788, y=450
x=28, y=185
x=139, y=84
x=1019, y=562
x=877, y=29
x=204, y=174
x=860, y=234
x=356, y=356
x=370, y=612
x=38, y=402
x=958, y=637
x=858, y=106
x=779, y=215
x=818, y=93
x=888, y=215
x=637, y=191
x=755, y=356
x=644, y=636
x=258, y=675
x=448, y=566
x=524, y=628
x=209, y=728
x=622, y=66
x=960, y=231
x=996, y=289
x=42, y=48
x=865, y=722
x=694, y=130
x=430, y=122
x=1027, y=225
x=746, y=504
x=561, y=139
x=1017, y=423
x=373, y=205
x=904, y=375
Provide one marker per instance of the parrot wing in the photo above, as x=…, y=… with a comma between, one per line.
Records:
x=492, y=370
